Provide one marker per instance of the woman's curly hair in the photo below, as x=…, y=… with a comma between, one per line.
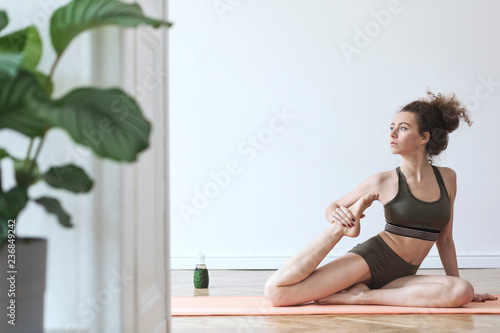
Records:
x=439, y=115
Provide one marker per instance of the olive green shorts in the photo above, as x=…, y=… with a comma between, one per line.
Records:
x=385, y=264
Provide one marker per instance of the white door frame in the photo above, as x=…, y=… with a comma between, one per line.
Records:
x=145, y=238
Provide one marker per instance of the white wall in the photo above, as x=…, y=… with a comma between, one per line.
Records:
x=234, y=64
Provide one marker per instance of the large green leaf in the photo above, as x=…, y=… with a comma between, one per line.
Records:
x=4, y=19
x=13, y=201
x=68, y=177
x=44, y=81
x=53, y=206
x=20, y=98
x=80, y=15
x=108, y=121
x=9, y=65
x=26, y=41
x=3, y=153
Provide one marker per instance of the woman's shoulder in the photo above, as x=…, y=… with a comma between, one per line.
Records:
x=385, y=184
x=450, y=180
x=383, y=177
x=447, y=173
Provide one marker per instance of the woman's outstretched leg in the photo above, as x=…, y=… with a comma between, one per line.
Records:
x=293, y=282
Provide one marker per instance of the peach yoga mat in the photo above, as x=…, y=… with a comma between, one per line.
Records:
x=257, y=306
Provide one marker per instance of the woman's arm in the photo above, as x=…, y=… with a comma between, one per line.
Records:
x=338, y=212
x=444, y=243
x=446, y=249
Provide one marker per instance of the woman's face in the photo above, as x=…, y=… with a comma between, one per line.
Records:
x=405, y=138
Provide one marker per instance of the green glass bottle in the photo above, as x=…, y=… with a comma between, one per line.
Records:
x=200, y=277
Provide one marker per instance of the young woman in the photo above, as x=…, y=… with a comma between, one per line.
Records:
x=418, y=203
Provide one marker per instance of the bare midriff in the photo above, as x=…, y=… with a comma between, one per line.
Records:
x=412, y=250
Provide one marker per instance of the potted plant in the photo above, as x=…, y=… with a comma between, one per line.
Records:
x=28, y=107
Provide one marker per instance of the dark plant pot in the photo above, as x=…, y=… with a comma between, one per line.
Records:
x=27, y=287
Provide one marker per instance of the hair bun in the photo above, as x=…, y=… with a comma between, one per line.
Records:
x=450, y=109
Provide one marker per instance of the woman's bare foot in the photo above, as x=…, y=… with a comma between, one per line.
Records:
x=357, y=210
x=353, y=295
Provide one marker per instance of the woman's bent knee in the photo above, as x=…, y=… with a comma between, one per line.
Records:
x=462, y=292
x=279, y=296
x=274, y=295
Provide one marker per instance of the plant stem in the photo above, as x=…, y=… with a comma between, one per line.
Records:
x=1, y=188
x=28, y=154
x=42, y=139
x=52, y=70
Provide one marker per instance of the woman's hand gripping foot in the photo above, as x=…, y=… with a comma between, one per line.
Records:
x=349, y=218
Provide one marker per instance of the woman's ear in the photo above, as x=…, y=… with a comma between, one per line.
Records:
x=426, y=137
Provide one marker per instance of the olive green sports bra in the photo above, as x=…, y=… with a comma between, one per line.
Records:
x=408, y=216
